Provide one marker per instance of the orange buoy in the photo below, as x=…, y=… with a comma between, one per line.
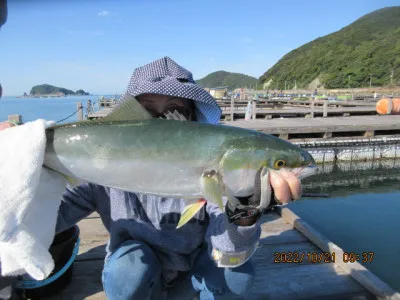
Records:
x=383, y=106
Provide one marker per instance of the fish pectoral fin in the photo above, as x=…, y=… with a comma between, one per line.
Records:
x=212, y=187
x=129, y=110
x=73, y=181
x=189, y=212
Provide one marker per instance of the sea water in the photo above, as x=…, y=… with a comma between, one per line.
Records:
x=52, y=108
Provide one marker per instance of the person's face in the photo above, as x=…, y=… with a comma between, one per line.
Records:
x=159, y=105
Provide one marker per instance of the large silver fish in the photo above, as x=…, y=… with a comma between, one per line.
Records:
x=131, y=151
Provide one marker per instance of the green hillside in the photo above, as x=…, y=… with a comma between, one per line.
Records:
x=346, y=58
x=47, y=89
x=223, y=78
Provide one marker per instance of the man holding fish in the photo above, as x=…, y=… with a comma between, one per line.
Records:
x=181, y=200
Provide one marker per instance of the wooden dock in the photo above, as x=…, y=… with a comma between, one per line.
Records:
x=289, y=101
x=281, y=108
x=268, y=113
x=299, y=129
x=310, y=124
x=101, y=113
x=306, y=280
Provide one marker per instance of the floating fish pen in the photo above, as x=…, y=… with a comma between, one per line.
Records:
x=359, y=166
x=372, y=175
x=353, y=149
x=106, y=102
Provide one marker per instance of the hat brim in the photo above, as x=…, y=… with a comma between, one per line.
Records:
x=207, y=109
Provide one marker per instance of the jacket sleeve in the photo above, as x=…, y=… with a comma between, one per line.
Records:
x=230, y=245
x=77, y=204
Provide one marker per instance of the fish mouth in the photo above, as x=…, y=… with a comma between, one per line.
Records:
x=305, y=171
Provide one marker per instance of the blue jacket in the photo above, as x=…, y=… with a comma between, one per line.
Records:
x=153, y=220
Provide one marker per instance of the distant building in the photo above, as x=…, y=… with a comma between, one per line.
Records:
x=219, y=92
x=240, y=93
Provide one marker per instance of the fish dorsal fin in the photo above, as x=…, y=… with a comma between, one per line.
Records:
x=130, y=109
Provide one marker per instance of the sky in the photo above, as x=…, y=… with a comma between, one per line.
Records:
x=95, y=45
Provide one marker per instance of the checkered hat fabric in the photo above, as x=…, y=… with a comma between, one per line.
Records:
x=166, y=77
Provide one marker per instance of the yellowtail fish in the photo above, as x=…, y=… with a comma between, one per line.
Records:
x=131, y=151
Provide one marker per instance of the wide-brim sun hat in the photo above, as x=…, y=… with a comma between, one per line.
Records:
x=165, y=77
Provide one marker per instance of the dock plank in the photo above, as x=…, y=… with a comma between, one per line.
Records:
x=321, y=281
x=337, y=124
x=276, y=231
x=93, y=237
x=290, y=102
x=304, y=111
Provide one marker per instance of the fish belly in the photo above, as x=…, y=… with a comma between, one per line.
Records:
x=147, y=177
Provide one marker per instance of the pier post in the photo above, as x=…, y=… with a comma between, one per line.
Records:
x=390, y=106
x=254, y=110
x=79, y=108
x=369, y=134
x=325, y=108
x=284, y=136
x=312, y=107
x=15, y=119
x=232, y=107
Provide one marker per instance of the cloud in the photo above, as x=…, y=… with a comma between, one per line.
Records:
x=103, y=13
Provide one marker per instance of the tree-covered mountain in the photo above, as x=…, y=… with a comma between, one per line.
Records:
x=223, y=78
x=47, y=89
x=366, y=51
x=81, y=93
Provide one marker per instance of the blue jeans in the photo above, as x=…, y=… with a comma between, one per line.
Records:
x=134, y=272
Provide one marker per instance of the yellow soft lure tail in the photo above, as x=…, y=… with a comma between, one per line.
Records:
x=190, y=211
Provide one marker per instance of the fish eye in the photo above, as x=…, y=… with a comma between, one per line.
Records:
x=279, y=163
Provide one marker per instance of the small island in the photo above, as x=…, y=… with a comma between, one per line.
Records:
x=47, y=90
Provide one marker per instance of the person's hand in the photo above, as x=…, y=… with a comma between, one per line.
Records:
x=286, y=188
x=5, y=125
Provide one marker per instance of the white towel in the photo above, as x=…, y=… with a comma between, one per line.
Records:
x=30, y=196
